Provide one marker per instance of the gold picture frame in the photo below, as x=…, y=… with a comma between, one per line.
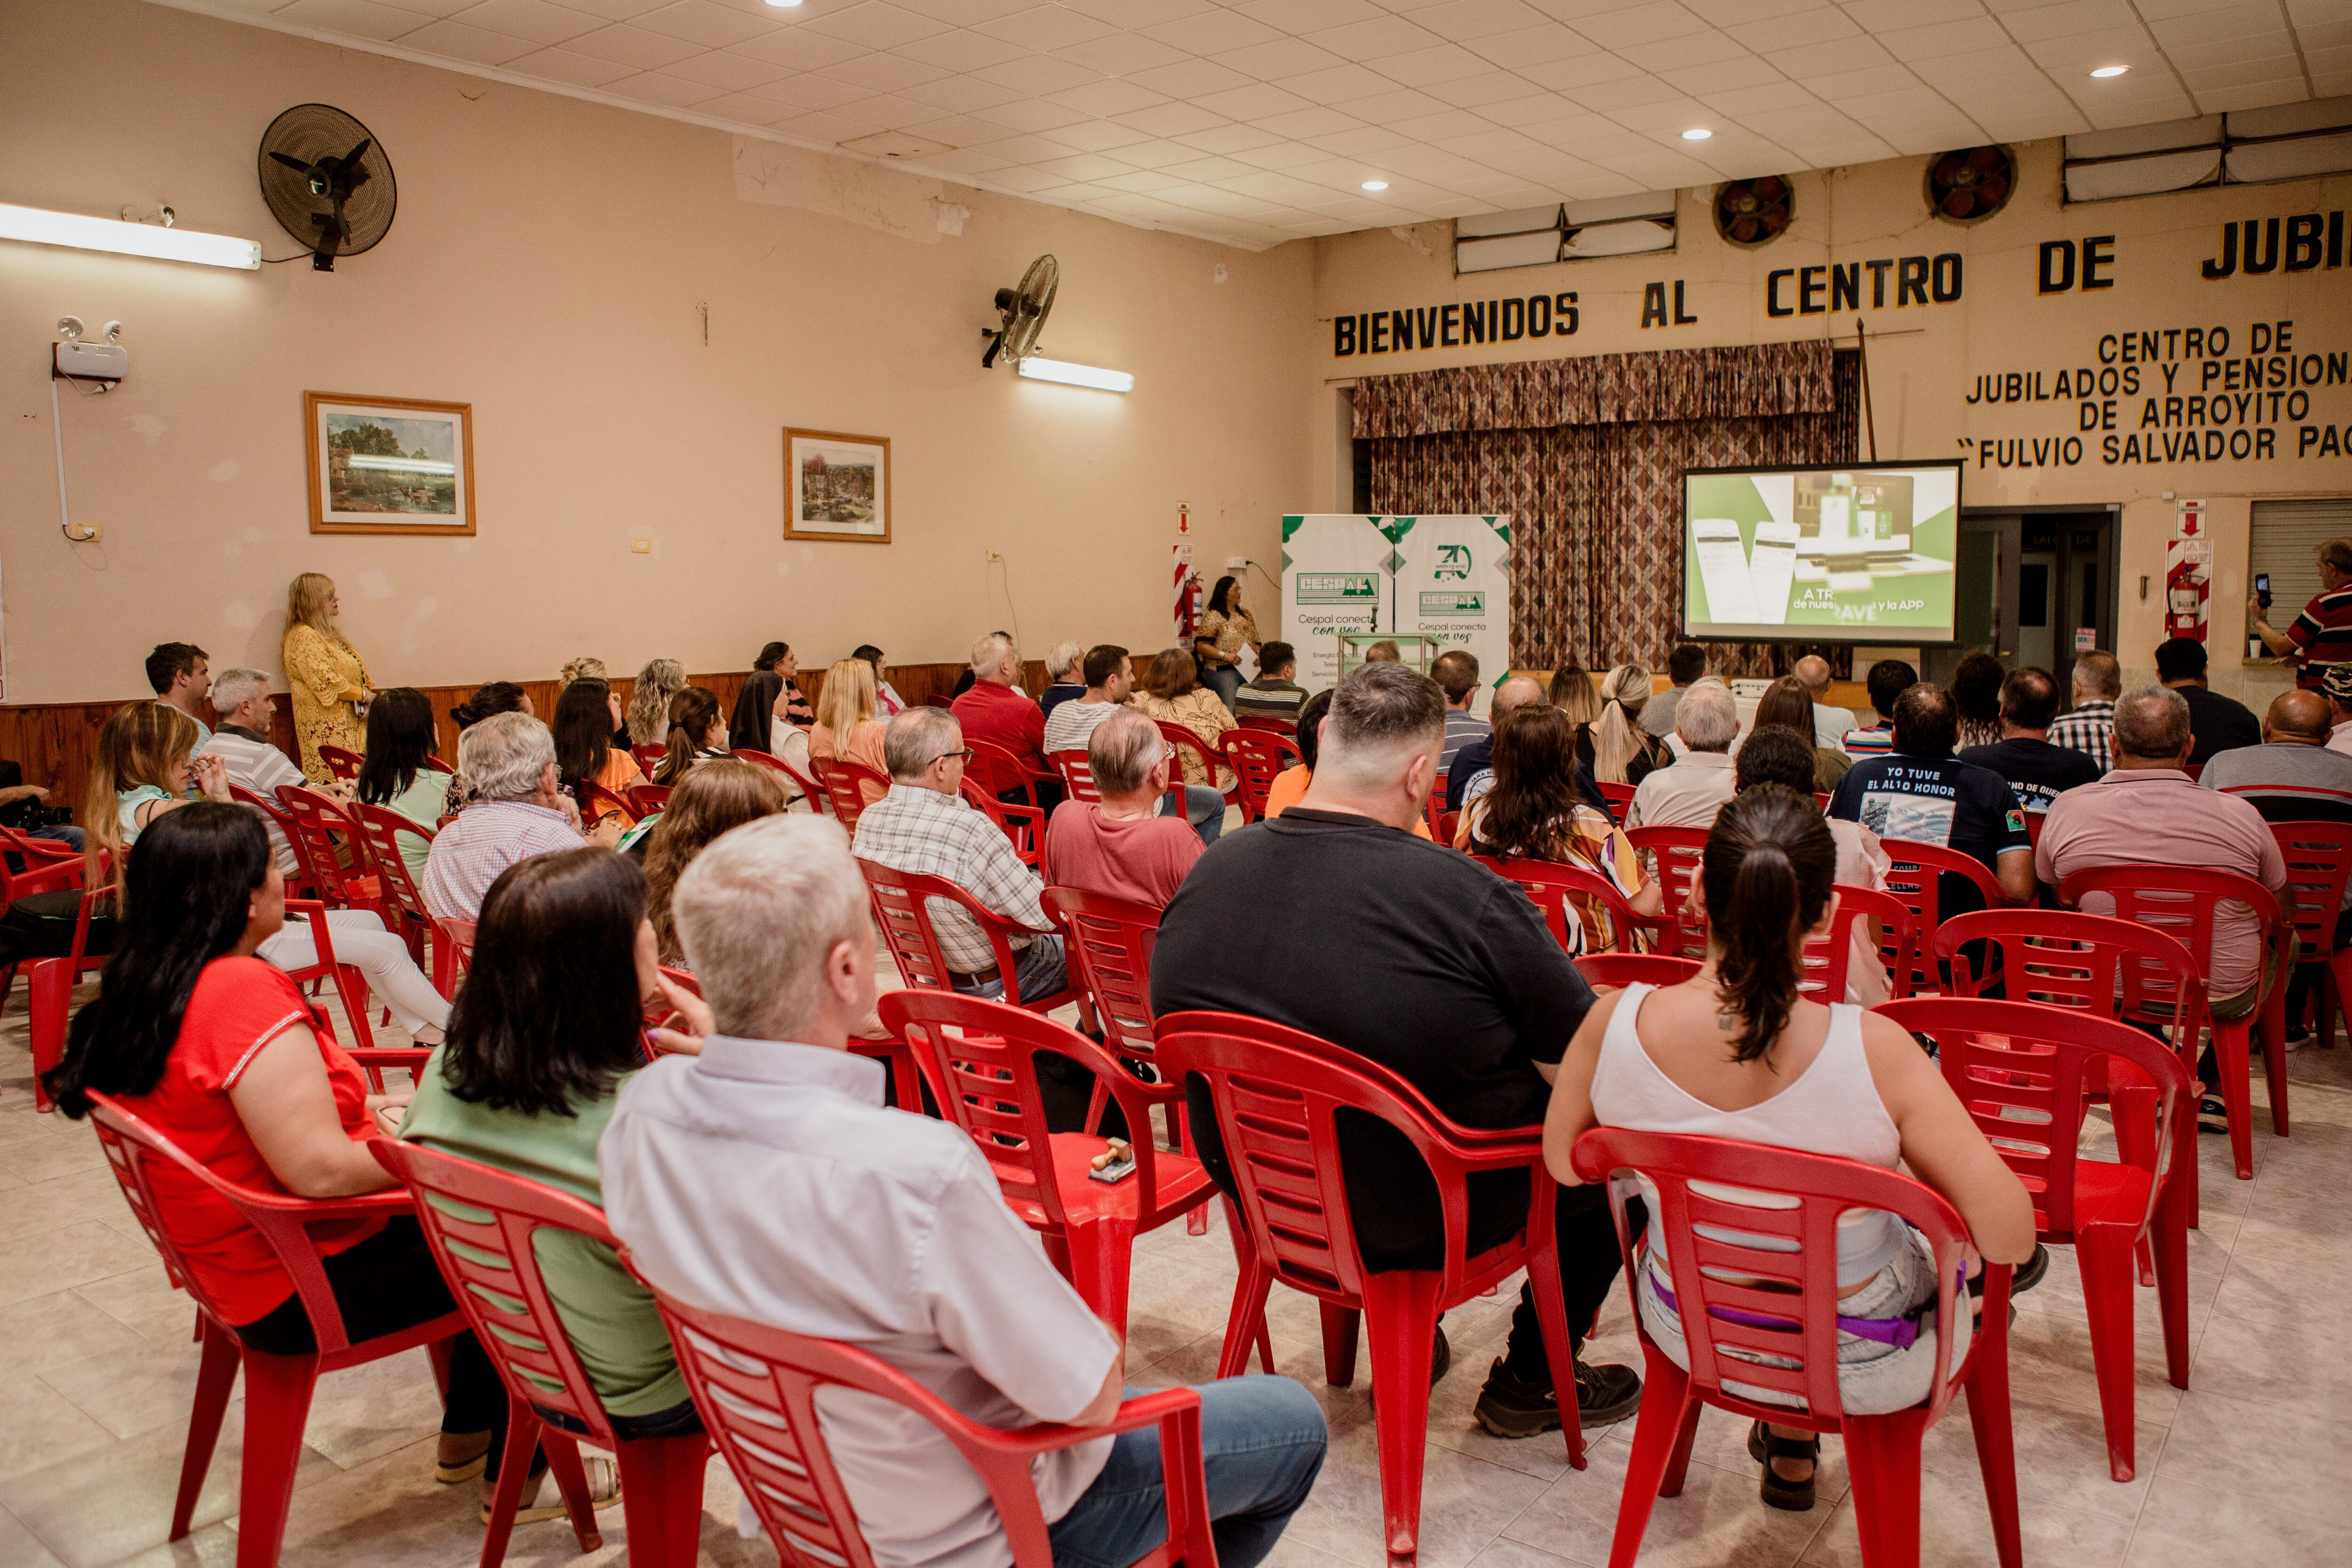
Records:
x=836, y=487
x=389, y=465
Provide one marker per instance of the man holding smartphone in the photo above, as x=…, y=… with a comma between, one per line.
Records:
x=2322, y=635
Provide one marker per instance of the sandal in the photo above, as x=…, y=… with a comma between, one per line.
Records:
x=1763, y=1447
x=460, y=1457
x=2212, y=1115
x=545, y=1499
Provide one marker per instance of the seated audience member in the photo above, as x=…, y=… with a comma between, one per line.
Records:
x=1573, y=693
x=2038, y=770
x=1337, y=886
x=768, y=695
x=519, y=810
x=714, y=799
x=763, y=1179
x=1778, y=755
x=1786, y=705
x=241, y=697
x=1172, y=694
x=1123, y=846
x=996, y=709
x=1062, y=684
x=2291, y=776
x=487, y=702
x=1456, y=673
x=924, y=826
x=1976, y=697
x=661, y=679
x=1289, y=786
x=400, y=735
x=887, y=700
x=585, y=716
x=1685, y=667
x=142, y=773
x=2146, y=812
x=1473, y=773
x=1384, y=652
x=1533, y=810
x=548, y=1029
x=2337, y=689
x=1276, y=694
x=223, y=1054
x=966, y=679
x=1736, y=1052
x=182, y=675
x=19, y=804
x=2087, y=726
x=1615, y=746
x=846, y=727
x=2218, y=723
x=1686, y=793
x=696, y=734
x=1830, y=724
x=1889, y=679
x=585, y=667
x=1921, y=792
x=1109, y=688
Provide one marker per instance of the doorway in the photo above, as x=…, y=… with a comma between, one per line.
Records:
x=2032, y=585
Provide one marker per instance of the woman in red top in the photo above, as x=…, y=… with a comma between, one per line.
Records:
x=221, y=1052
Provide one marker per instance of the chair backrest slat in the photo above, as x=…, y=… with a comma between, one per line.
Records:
x=1108, y=942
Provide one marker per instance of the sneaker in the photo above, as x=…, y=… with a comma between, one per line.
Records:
x=1441, y=1356
x=1509, y=1406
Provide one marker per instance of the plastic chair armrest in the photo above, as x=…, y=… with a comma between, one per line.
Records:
x=1157, y=1408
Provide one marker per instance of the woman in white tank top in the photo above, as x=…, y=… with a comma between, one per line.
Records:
x=1736, y=1052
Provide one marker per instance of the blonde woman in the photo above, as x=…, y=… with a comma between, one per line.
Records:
x=1572, y=692
x=1614, y=745
x=846, y=726
x=328, y=678
x=1172, y=693
x=661, y=679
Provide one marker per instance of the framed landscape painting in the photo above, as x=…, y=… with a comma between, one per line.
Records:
x=836, y=487
x=389, y=465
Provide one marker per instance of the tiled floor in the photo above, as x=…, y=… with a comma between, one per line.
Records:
x=2250, y=1467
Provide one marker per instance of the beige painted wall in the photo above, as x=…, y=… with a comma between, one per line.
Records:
x=1924, y=360
x=546, y=266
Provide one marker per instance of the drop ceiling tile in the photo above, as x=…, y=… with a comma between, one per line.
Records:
x=1038, y=75
x=1046, y=28
x=957, y=130
x=1705, y=49
x=887, y=110
x=1609, y=96
x=877, y=23
x=652, y=87
x=1484, y=91
x=1280, y=155
x=609, y=10
x=1943, y=40
x=1125, y=54
x=1726, y=76
x=461, y=42
x=794, y=46
x=964, y=161
x=1257, y=100
x=1476, y=19
x=1424, y=68
x=1172, y=119
x=1212, y=32
x=1031, y=114
x=1098, y=136
x=1343, y=84
x=1823, y=60
x=1375, y=39
x=1738, y=13
x=2152, y=10
x=1320, y=121
x=1143, y=181
x=1569, y=129
x=1640, y=25
x=1814, y=26
x=1529, y=46
x=733, y=72
x=1363, y=141
x=2253, y=95
x=1280, y=58
x=1429, y=128
x=745, y=110
x=363, y=19
x=1106, y=97
x=627, y=45
x=1671, y=116
x=1520, y=112
x=702, y=22
x=964, y=13
x=1302, y=17
x=2203, y=78
x=1189, y=79
x=2072, y=19
x=1487, y=146
x=1836, y=87
x=1204, y=170
x=1432, y=163
x=878, y=72
x=534, y=21
x=2244, y=47
x=809, y=92
x=1581, y=70
x=961, y=50
x=2177, y=32
x=1228, y=141
x=1086, y=166
x=1739, y=102
x=1025, y=181
x=567, y=65
x=1025, y=149
x=442, y=9
x=1273, y=187
x=1885, y=15
x=959, y=94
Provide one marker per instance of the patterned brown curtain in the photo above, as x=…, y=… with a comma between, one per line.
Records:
x=1587, y=456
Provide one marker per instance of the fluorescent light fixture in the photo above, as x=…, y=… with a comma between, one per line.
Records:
x=1376, y=185
x=784, y=4
x=404, y=466
x=2105, y=72
x=1068, y=374
x=43, y=228
x=1696, y=133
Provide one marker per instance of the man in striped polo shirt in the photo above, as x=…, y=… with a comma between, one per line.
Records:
x=1889, y=679
x=2322, y=635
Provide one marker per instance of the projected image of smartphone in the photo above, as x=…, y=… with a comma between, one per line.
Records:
x=1723, y=572
x=1774, y=562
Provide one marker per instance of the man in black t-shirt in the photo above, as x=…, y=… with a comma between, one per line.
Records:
x=2037, y=770
x=1922, y=793
x=1334, y=919
x=2216, y=723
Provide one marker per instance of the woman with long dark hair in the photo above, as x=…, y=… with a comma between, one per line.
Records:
x=1536, y=811
x=221, y=1052
x=586, y=716
x=401, y=735
x=1786, y=705
x=548, y=1026
x=1976, y=694
x=1738, y=1052
x=1225, y=629
x=697, y=734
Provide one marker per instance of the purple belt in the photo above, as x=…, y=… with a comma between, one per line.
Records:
x=1900, y=1333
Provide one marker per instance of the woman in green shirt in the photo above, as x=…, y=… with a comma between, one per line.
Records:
x=547, y=1028
x=400, y=735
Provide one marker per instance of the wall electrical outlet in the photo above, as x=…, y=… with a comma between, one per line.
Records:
x=1237, y=562
x=641, y=546
x=995, y=555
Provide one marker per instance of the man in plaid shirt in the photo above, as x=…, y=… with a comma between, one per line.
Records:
x=925, y=827
x=2090, y=724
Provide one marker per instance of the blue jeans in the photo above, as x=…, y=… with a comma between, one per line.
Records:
x=1038, y=967
x=1204, y=807
x=1225, y=681
x=69, y=836
x=1263, y=1440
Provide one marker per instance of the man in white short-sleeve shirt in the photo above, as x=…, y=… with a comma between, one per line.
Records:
x=765, y=1179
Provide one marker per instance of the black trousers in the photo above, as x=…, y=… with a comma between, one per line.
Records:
x=386, y=1283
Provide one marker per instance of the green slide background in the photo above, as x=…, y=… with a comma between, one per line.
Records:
x=1735, y=496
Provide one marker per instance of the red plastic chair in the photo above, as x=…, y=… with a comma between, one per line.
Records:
x=453, y=953
x=342, y=765
x=379, y=830
x=2033, y=820
x=1550, y=884
x=1675, y=852
x=1276, y=1093
x=494, y=1273
x=1915, y=878
x=1259, y=757
x=49, y=867
x=902, y=908
x=1288, y=727
x=1024, y=825
x=1433, y=811
x=1829, y=956
x=1794, y=1319
x=2195, y=771
x=985, y=1080
x=850, y=788
x=350, y=984
x=277, y=1387
x=648, y=758
x=1077, y=774
x=2319, y=859
x=597, y=803
x=809, y=788
x=1181, y=741
x=994, y=771
x=431, y=764
x=648, y=800
x=49, y=985
x=757, y=1387
x=2024, y=1070
x=1620, y=798
x=2181, y=901
x=297, y=883
x=312, y=821
x=1615, y=971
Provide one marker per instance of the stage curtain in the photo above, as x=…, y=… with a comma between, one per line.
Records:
x=1587, y=456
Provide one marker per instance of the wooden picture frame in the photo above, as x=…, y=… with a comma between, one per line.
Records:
x=836, y=487
x=414, y=477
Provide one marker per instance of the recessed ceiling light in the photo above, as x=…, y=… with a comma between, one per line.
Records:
x=784, y=4
x=2110, y=70
x=1697, y=134
x=1376, y=185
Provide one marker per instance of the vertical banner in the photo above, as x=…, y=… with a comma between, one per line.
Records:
x=1335, y=578
x=1454, y=582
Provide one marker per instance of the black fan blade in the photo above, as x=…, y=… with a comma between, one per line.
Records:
x=291, y=161
x=356, y=153
x=995, y=342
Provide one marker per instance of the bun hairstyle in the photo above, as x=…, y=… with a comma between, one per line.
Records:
x=488, y=702
x=1768, y=865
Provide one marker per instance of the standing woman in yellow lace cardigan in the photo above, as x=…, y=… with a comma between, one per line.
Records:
x=329, y=680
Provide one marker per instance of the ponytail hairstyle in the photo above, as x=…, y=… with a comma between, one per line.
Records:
x=691, y=713
x=1769, y=864
x=1615, y=740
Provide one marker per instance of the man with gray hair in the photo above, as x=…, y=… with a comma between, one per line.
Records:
x=1418, y=958
x=2088, y=724
x=925, y=827
x=1063, y=674
x=518, y=811
x=763, y=1179
x=1830, y=724
x=1688, y=791
x=241, y=698
x=1122, y=846
x=998, y=711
